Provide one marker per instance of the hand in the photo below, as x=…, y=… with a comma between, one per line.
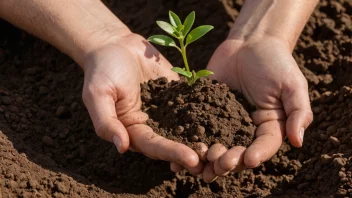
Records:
x=111, y=93
x=265, y=72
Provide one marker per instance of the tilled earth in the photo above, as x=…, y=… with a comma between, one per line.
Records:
x=48, y=147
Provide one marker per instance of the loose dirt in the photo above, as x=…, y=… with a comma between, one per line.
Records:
x=48, y=147
x=204, y=112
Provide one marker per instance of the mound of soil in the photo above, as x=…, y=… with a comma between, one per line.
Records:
x=22, y=178
x=205, y=112
x=48, y=147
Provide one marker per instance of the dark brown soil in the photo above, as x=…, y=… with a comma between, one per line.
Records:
x=48, y=147
x=206, y=112
x=327, y=152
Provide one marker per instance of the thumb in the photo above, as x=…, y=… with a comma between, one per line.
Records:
x=101, y=108
x=296, y=103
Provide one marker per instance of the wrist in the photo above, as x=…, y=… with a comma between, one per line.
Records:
x=75, y=27
x=282, y=20
x=97, y=40
x=247, y=36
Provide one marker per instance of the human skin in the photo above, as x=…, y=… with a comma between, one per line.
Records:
x=256, y=59
x=115, y=61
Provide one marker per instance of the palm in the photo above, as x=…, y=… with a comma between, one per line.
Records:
x=259, y=73
x=112, y=95
x=266, y=73
x=120, y=71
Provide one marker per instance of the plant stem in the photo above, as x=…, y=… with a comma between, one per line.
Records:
x=184, y=56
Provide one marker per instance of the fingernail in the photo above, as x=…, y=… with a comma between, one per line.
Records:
x=301, y=134
x=117, y=142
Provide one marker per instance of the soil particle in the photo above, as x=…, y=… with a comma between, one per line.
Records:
x=48, y=141
x=63, y=112
x=11, y=184
x=200, y=130
x=33, y=183
x=61, y=187
x=6, y=100
x=335, y=141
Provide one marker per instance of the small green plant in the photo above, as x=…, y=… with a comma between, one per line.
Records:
x=185, y=37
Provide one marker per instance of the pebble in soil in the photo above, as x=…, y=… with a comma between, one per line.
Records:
x=206, y=112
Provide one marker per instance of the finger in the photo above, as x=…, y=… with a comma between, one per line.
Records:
x=175, y=167
x=137, y=117
x=208, y=173
x=149, y=143
x=197, y=169
x=132, y=149
x=202, y=150
x=101, y=108
x=269, y=137
x=239, y=168
x=215, y=151
x=230, y=160
x=264, y=115
x=297, y=107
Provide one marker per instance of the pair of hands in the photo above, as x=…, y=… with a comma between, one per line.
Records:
x=262, y=69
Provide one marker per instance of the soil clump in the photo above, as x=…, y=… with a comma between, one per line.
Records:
x=205, y=112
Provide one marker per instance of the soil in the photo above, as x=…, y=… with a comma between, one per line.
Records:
x=205, y=112
x=48, y=147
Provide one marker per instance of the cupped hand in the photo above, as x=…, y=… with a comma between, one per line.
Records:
x=264, y=70
x=111, y=93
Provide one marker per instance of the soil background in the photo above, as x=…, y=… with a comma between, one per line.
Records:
x=48, y=147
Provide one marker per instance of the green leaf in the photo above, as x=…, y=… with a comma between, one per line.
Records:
x=180, y=28
x=197, y=33
x=203, y=73
x=162, y=40
x=167, y=27
x=174, y=19
x=176, y=32
x=182, y=71
x=188, y=23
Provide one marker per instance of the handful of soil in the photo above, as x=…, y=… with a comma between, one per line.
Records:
x=206, y=112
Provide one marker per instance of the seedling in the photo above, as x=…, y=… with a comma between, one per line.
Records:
x=182, y=33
